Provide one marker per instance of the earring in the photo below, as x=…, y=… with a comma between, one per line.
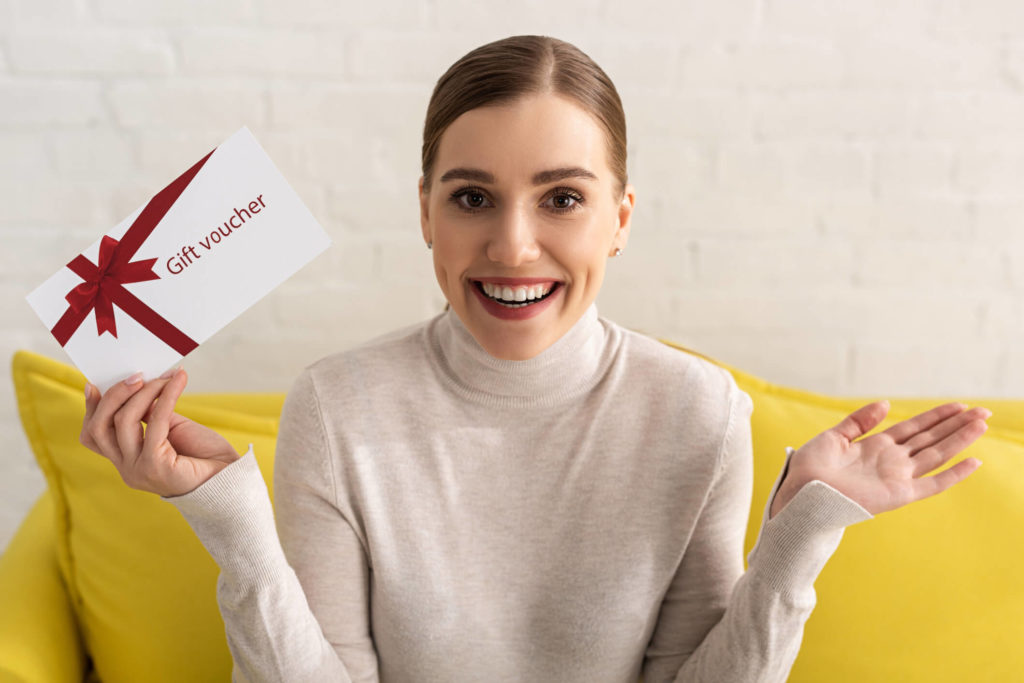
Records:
x=618, y=252
x=430, y=245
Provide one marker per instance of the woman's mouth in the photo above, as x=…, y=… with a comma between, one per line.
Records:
x=520, y=296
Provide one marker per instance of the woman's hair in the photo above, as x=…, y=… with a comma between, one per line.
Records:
x=502, y=71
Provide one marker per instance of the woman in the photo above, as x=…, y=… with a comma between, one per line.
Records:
x=517, y=488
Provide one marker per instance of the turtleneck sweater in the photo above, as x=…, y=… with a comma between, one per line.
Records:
x=443, y=515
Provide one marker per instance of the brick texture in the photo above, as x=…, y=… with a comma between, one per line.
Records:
x=830, y=193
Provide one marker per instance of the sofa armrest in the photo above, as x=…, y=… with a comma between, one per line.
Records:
x=39, y=637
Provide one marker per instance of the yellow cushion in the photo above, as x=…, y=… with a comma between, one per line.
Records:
x=928, y=592
x=141, y=583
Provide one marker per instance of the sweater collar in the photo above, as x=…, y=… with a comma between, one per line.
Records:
x=570, y=366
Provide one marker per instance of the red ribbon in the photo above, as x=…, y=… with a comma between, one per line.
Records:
x=104, y=282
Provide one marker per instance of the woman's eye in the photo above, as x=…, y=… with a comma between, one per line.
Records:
x=561, y=200
x=469, y=199
x=566, y=200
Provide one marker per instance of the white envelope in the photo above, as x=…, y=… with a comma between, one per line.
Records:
x=200, y=252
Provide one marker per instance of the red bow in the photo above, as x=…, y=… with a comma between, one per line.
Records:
x=104, y=282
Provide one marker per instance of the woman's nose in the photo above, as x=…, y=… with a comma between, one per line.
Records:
x=514, y=240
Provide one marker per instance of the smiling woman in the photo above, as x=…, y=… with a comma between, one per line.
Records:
x=519, y=488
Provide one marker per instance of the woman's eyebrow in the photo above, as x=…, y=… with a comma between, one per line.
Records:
x=541, y=178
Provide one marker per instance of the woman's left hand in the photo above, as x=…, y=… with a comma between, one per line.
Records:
x=885, y=471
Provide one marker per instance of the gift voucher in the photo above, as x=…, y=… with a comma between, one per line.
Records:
x=200, y=252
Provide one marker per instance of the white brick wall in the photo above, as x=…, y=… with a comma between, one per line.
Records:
x=831, y=193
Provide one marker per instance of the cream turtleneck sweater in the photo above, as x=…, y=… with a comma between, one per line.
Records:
x=445, y=516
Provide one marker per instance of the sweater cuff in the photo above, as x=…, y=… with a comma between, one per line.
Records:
x=232, y=515
x=794, y=545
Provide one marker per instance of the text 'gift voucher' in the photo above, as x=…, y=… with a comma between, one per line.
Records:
x=204, y=249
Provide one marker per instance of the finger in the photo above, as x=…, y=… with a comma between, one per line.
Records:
x=934, y=456
x=862, y=420
x=158, y=425
x=128, y=420
x=929, y=486
x=943, y=429
x=101, y=425
x=92, y=397
x=907, y=429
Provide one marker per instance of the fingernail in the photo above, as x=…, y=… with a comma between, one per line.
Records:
x=88, y=390
x=171, y=372
x=134, y=379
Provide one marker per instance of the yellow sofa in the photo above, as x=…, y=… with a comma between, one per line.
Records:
x=102, y=582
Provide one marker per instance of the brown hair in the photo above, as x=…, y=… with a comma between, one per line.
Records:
x=506, y=69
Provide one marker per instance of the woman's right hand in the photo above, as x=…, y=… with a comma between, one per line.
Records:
x=172, y=455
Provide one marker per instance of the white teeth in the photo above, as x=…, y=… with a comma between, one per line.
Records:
x=506, y=293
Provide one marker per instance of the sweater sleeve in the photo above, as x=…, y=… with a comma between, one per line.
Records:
x=719, y=623
x=274, y=578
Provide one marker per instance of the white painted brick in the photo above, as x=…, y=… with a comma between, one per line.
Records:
x=978, y=19
x=932, y=265
x=721, y=213
x=834, y=316
x=998, y=220
x=92, y=51
x=33, y=254
x=1001, y=316
x=839, y=19
x=901, y=370
x=994, y=170
x=506, y=19
x=187, y=13
x=1011, y=378
x=702, y=116
x=94, y=153
x=350, y=261
x=755, y=170
x=672, y=259
x=48, y=13
x=346, y=15
x=753, y=264
x=675, y=168
x=375, y=211
x=189, y=104
x=30, y=103
x=885, y=60
x=407, y=262
x=262, y=52
x=688, y=21
x=162, y=152
x=1014, y=251
x=637, y=66
x=974, y=116
x=804, y=63
x=831, y=170
x=928, y=220
x=920, y=169
x=63, y=204
x=412, y=57
x=849, y=218
x=789, y=358
x=833, y=114
x=352, y=111
x=24, y=159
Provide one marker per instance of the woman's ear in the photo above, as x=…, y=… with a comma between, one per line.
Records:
x=625, y=216
x=424, y=212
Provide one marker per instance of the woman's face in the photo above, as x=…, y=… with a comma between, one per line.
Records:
x=521, y=210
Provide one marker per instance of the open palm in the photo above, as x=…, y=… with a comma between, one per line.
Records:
x=885, y=471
